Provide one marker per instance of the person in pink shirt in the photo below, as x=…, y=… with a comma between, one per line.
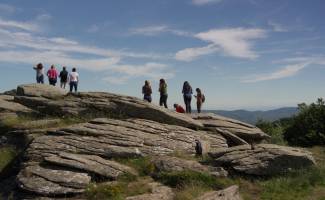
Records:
x=52, y=74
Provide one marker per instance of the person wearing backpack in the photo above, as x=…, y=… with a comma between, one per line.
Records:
x=39, y=73
x=147, y=91
x=74, y=80
x=163, y=93
x=200, y=98
x=187, y=94
x=63, y=77
x=52, y=74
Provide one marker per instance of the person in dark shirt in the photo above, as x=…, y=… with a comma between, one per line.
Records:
x=163, y=93
x=187, y=94
x=147, y=91
x=63, y=77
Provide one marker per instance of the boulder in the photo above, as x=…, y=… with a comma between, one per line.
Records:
x=90, y=163
x=159, y=192
x=230, y=193
x=41, y=90
x=224, y=125
x=51, y=181
x=173, y=164
x=263, y=159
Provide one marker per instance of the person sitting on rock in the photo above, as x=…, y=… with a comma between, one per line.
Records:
x=52, y=74
x=147, y=91
x=200, y=98
x=163, y=93
x=63, y=77
x=74, y=80
x=179, y=108
x=39, y=73
x=187, y=94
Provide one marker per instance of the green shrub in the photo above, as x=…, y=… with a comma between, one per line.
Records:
x=273, y=129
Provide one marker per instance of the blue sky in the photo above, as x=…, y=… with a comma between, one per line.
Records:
x=251, y=54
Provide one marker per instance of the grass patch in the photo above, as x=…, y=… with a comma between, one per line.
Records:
x=118, y=190
x=33, y=122
x=143, y=165
x=190, y=191
x=7, y=155
x=183, y=178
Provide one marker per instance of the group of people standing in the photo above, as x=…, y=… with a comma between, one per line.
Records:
x=187, y=95
x=53, y=75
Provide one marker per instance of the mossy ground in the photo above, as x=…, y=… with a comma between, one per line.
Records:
x=7, y=155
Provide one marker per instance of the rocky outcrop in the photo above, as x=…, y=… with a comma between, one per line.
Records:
x=159, y=192
x=227, y=127
x=53, y=101
x=230, y=193
x=173, y=164
x=86, y=148
x=263, y=159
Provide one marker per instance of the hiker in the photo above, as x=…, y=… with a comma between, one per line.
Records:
x=63, y=77
x=187, y=94
x=74, y=80
x=52, y=74
x=163, y=93
x=147, y=91
x=200, y=98
x=179, y=108
x=39, y=73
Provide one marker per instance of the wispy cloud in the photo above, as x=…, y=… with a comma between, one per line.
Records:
x=27, y=26
x=292, y=67
x=93, y=28
x=157, y=30
x=234, y=42
x=204, y=2
x=20, y=44
x=287, y=71
x=277, y=27
x=190, y=54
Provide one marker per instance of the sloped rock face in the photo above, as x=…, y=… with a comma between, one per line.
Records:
x=263, y=159
x=230, y=128
x=230, y=193
x=52, y=101
x=122, y=138
x=85, y=149
x=173, y=164
x=7, y=105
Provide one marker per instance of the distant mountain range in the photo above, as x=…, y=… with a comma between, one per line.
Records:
x=253, y=116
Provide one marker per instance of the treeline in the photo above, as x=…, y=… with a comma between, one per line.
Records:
x=307, y=128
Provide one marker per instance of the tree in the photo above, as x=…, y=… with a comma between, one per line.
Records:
x=307, y=128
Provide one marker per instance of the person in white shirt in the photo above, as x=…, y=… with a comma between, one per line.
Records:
x=74, y=79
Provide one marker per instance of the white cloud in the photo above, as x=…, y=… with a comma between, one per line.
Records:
x=287, y=71
x=277, y=27
x=204, y=2
x=190, y=54
x=235, y=42
x=26, y=26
